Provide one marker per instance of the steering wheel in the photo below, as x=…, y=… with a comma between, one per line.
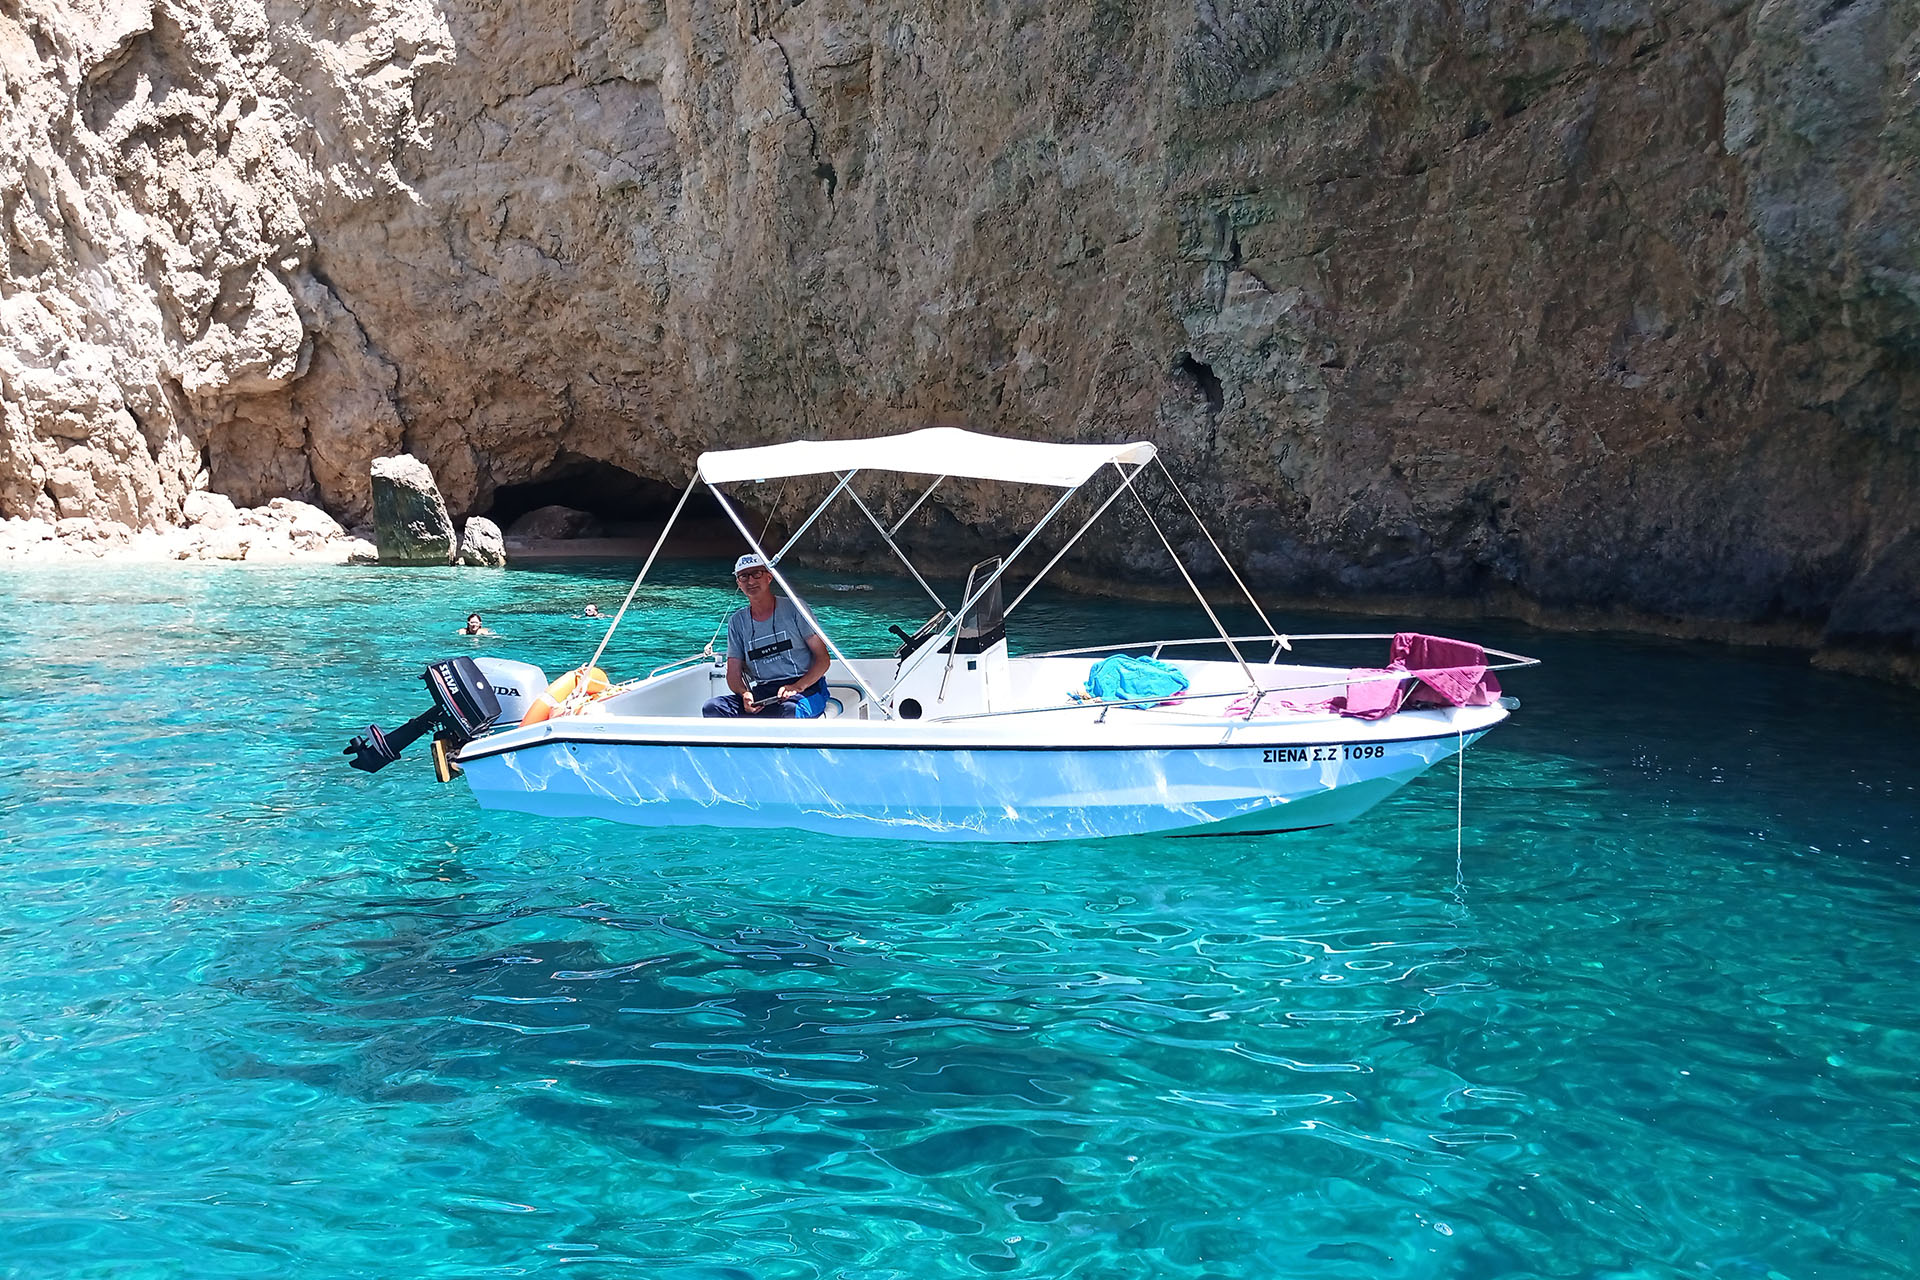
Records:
x=928, y=629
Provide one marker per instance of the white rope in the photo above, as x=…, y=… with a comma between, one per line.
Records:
x=1459, y=808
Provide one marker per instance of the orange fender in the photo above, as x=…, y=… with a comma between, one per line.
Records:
x=560, y=690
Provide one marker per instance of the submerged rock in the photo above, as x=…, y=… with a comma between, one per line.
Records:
x=410, y=520
x=554, y=524
x=481, y=544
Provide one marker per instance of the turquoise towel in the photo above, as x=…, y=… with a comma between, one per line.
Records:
x=1143, y=680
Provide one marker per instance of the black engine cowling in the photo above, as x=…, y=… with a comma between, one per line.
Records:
x=464, y=707
x=464, y=695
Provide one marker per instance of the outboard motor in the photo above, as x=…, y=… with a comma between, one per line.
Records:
x=518, y=685
x=464, y=707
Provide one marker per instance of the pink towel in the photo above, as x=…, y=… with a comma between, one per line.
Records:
x=1451, y=673
x=1436, y=672
x=1369, y=695
x=1275, y=702
x=1372, y=694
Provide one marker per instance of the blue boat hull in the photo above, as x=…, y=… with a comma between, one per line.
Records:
x=997, y=793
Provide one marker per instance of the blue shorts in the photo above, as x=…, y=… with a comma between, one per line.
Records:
x=810, y=703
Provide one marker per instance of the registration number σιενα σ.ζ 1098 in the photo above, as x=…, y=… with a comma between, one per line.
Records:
x=1318, y=755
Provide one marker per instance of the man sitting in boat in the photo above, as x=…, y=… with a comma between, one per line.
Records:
x=776, y=661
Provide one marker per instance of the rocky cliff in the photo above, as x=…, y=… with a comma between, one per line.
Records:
x=1589, y=307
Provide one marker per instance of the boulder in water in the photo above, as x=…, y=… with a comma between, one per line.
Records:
x=410, y=520
x=209, y=510
x=220, y=542
x=306, y=526
x=553, y=524
x=482, y=545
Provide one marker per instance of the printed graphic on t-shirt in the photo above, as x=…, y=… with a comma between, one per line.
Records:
x=764, y=648
x=773, y=648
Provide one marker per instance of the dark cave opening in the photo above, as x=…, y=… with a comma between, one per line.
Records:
x=624, y=505
x=1203, y=378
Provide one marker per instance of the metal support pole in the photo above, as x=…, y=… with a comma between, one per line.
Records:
x=634, y=590
x=1125, y=481
x=1279, y=640
x=953, y=623
x=873, y=699
x=1252, y=683
x=805, y=525
x=916, y=506
x=887, y=537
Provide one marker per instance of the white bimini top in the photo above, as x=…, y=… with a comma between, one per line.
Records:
x=933, y=451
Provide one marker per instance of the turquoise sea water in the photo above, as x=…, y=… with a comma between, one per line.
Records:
x=261, y=1015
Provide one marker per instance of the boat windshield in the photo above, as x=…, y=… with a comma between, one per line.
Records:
x=985, y=622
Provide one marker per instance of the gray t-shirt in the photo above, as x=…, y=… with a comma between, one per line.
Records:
x=775, y=649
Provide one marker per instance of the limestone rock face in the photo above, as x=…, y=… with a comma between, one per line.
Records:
x=161, y=319
x=1595, y=306
x=410, y=520
x=481, y=544
x=281, y=530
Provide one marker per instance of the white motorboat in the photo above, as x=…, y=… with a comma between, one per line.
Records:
x=952, y=736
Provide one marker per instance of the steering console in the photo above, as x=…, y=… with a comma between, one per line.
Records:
x=909, y=643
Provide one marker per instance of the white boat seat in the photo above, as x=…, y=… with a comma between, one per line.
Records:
x=844, y=699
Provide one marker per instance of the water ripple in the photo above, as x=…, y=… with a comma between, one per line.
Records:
x=266, y=1015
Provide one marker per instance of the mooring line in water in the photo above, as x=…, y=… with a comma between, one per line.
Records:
x=1459, y=811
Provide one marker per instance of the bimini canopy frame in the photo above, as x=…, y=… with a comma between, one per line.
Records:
x=931, y=451
x=939, y=452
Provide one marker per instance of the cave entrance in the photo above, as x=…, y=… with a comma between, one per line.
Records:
x=622, y=504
